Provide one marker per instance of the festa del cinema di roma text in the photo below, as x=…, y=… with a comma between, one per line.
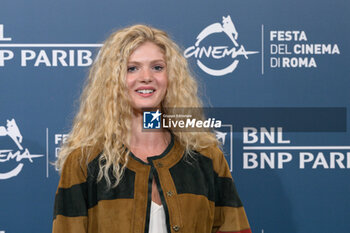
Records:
x=292, y=49
x=267, y=149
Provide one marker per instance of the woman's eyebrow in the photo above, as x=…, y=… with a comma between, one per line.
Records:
x=159, y=60
x=152, y=61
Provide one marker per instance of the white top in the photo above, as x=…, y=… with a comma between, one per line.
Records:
x=157, y=219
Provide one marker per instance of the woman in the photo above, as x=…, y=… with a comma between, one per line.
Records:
x=117, y=177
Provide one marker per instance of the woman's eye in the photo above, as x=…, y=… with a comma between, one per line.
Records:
x=158, y=68
x=132, y=68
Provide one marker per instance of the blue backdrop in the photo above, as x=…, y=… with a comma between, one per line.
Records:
x=252, y=57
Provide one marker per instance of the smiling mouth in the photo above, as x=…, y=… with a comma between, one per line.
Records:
x=145, y=91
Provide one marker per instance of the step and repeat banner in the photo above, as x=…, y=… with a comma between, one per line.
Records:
x=276, y=73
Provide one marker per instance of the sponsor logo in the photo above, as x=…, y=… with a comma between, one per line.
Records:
x=2, y=36
x=267, y=148
x=44, y=54
x=6, y=155
x=234, y=51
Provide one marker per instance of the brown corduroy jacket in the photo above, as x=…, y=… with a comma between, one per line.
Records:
x=198, y=195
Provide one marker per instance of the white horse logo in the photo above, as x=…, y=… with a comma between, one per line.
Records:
x=227, y=26
x=13, y=132
x=6, y=155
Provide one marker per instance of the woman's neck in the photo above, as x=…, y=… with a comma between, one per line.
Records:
x=146, y=143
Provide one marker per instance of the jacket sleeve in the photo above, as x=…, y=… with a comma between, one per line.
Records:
x=70, y=209
x=230, y=216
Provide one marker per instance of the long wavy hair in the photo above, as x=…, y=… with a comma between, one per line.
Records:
x=103, y=120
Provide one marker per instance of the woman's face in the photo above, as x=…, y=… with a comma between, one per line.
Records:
x=147, y=76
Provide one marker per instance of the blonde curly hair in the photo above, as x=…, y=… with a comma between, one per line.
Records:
x=104, y=118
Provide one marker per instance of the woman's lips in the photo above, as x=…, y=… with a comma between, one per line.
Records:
x=145, y=92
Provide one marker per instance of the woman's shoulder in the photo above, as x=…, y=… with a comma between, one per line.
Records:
x=218, y=159
x=75, y=167
x=85, y=154
x=212, y=152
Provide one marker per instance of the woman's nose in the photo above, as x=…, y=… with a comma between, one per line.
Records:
x=146, y=75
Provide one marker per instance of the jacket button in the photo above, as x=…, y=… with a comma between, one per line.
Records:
x=169, y=193
x=176, y=228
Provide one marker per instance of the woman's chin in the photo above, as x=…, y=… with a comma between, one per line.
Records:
x=141, y=109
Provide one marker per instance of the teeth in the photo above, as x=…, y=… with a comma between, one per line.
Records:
x=145, y=91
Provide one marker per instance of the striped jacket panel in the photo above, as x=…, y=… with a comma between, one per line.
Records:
x=197, y=193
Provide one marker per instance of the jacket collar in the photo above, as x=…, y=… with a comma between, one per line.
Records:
x=170, y=156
